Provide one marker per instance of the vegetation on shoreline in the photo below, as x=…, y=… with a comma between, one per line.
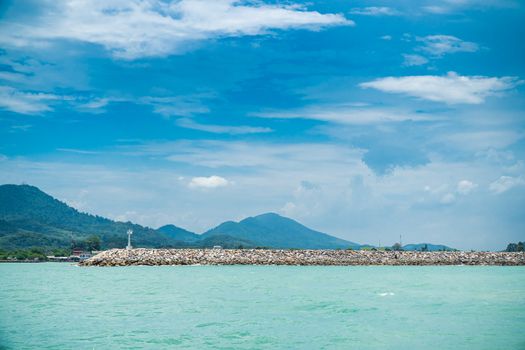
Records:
x=515, y=247
x=35, y=253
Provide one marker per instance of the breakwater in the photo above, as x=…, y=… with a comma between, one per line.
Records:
x=140, y=256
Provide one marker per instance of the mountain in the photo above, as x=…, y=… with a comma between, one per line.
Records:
x=179, y=234
x=273, y=230
x=225, y=241
x=429, y=247
x=32, y=218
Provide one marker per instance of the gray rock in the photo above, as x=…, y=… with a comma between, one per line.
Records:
x=140, y=256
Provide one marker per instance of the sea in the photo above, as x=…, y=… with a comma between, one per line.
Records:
x=64, y=306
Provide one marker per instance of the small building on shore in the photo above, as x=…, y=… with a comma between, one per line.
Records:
x=57, y=258
x=80, y=255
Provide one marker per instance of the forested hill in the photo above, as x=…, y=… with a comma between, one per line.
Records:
x=273, y=230
x=32, y=218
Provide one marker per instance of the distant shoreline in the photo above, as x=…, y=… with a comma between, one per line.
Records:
x=14, y=261
x=154, y=257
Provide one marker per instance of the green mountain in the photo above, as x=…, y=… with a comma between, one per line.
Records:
x=32, y=218
x=273, y=230
x=179, y=234
x=427, y=247
x=225, y=241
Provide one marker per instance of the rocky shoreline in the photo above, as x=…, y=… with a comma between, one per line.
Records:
x=154, y=257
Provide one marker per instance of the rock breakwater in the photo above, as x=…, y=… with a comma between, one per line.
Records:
x=140, y=256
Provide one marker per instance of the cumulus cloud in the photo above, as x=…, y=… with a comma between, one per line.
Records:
x=451, y=89
x=289, y=209
x=208, y=182
x=374, y=11
x=439, y=45
x=435, y=47
x=448, y=198
x=505, y=183
x=447, y=195
x=318, y=179
x=131, y=29
x=95, y=104
x=414, y=60
x=465, y=187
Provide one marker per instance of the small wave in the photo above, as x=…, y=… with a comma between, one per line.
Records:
x=385, y=294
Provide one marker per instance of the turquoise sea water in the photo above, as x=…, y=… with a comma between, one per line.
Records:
x=62, y=306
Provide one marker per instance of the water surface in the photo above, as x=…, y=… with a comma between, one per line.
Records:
x=62, y=306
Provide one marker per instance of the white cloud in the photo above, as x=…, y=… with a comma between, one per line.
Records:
x=222, y=129
x=289, y=209
x=451, y=89
x=465, y=187
x=439, y=45
x=448, y=198
x=386, y=37
x=331, y=189
x=441, y=7
x=505, y=183
x=294, y=157
x=414, y=60
x=131, y=29
x=180, y=106
x=36, y=102
x=374, y=11
x=20, y=128
x=77, y=151
x=346, y=114
x=95, y=104
x=25, y=102
x=481, y=140
x=439, y=10
x=208, y=182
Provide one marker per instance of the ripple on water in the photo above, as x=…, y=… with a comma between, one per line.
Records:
x=210, y=324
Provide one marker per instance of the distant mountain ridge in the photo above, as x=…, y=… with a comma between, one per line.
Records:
x=31, y=218
x=179, y=233
x=427, y=247
x=273, y=230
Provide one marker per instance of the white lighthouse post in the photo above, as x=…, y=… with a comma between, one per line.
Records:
x=130, y=232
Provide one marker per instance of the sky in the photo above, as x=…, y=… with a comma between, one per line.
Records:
x=366, y=120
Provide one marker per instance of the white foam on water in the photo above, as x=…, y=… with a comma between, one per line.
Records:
x=385, y=294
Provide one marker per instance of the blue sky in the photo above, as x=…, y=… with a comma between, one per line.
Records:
x=362, y=119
